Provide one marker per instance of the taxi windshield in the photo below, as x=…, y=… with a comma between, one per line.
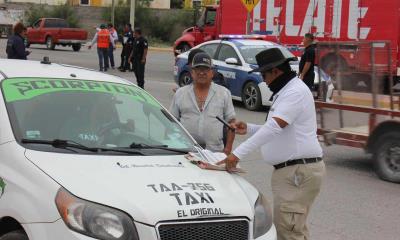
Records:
x=249, y=52
x=91, y=113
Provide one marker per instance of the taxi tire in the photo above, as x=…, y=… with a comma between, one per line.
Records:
x=15, y=235
x=252, y=89
x=384, y=166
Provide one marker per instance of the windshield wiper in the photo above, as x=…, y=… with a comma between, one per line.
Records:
x=162, y=147
x=64, y=144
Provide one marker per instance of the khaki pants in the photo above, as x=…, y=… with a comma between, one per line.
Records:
x=294, y=189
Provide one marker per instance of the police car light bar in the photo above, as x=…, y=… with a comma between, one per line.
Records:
x=239, y=36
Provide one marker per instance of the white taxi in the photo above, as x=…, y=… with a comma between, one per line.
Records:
x=86, y=155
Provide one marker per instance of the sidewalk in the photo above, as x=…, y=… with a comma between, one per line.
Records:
x=364, y=99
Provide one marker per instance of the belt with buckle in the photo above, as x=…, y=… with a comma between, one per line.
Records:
x=297, y=161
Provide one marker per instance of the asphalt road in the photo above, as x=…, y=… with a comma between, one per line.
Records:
x=353, y=205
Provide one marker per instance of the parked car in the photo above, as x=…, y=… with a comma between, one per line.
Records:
x=86, y=155
x=55, y=31
x=233, y=58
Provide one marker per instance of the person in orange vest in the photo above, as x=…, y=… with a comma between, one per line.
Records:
x=103, y=39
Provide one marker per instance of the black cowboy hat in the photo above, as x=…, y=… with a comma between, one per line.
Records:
x=271, y=58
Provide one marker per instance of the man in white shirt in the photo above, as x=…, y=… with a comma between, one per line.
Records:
x=114, y=36
x=288, y=141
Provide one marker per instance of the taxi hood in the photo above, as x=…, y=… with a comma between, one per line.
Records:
x=150, y=188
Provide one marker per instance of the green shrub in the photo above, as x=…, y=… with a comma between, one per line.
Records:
x=155, y=25
x=34, y=13
x=64, y=11
x=121, y=15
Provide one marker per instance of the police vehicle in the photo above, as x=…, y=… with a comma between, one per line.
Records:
x=233, y=57
x=86, y=155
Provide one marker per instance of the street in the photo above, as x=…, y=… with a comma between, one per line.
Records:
x=354, y=203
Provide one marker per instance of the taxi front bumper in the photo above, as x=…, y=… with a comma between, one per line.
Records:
x=58, y=230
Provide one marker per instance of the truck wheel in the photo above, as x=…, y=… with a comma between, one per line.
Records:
x=185, y=47
x=76, y=47
x=185, y=79
x=251, y=96
x=50, y=44
x=16, y=235
x=387, y=157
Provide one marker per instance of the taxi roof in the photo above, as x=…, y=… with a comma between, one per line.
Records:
x=10, y=68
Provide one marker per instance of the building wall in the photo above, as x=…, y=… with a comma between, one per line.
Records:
x=165, y=4
x=154, y=4
x=49, y=2
x=189, y=3
x=97, y=3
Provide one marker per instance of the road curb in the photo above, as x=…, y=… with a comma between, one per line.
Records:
x=160, y=49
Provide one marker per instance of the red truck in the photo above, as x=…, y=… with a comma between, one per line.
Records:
x=286, y=22
x=55, y=31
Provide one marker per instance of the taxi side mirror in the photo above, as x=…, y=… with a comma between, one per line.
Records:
x=231, y=61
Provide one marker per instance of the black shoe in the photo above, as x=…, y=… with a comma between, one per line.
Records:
x=131, y=70
x=122, y=70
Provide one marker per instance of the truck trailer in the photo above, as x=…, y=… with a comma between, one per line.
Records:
x=287, y=21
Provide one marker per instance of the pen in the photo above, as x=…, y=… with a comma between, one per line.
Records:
x=225, y=124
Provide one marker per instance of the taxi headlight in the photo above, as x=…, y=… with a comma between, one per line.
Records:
x=262, y=217
x=93, y=219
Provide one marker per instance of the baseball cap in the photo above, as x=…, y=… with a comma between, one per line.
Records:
x=201, y=60
x=192, y=53
x=102, y=26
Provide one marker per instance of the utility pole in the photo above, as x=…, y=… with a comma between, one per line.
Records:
x=132, y=14
x=113, y=12
x=248, y=23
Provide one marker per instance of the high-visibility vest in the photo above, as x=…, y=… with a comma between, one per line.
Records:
x=103, y=38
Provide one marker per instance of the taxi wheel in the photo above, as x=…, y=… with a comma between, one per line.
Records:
x=387, y=157
x=251, y=96
x=185, y=79
x=16, y=235
x=50, y=44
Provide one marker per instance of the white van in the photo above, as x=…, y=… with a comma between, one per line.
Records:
x=86, y=155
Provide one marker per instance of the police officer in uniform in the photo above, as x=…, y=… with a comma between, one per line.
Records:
x=288, y=141
x=127, y=44
x=306, y=65
x=104, y=40
x=138, y=56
